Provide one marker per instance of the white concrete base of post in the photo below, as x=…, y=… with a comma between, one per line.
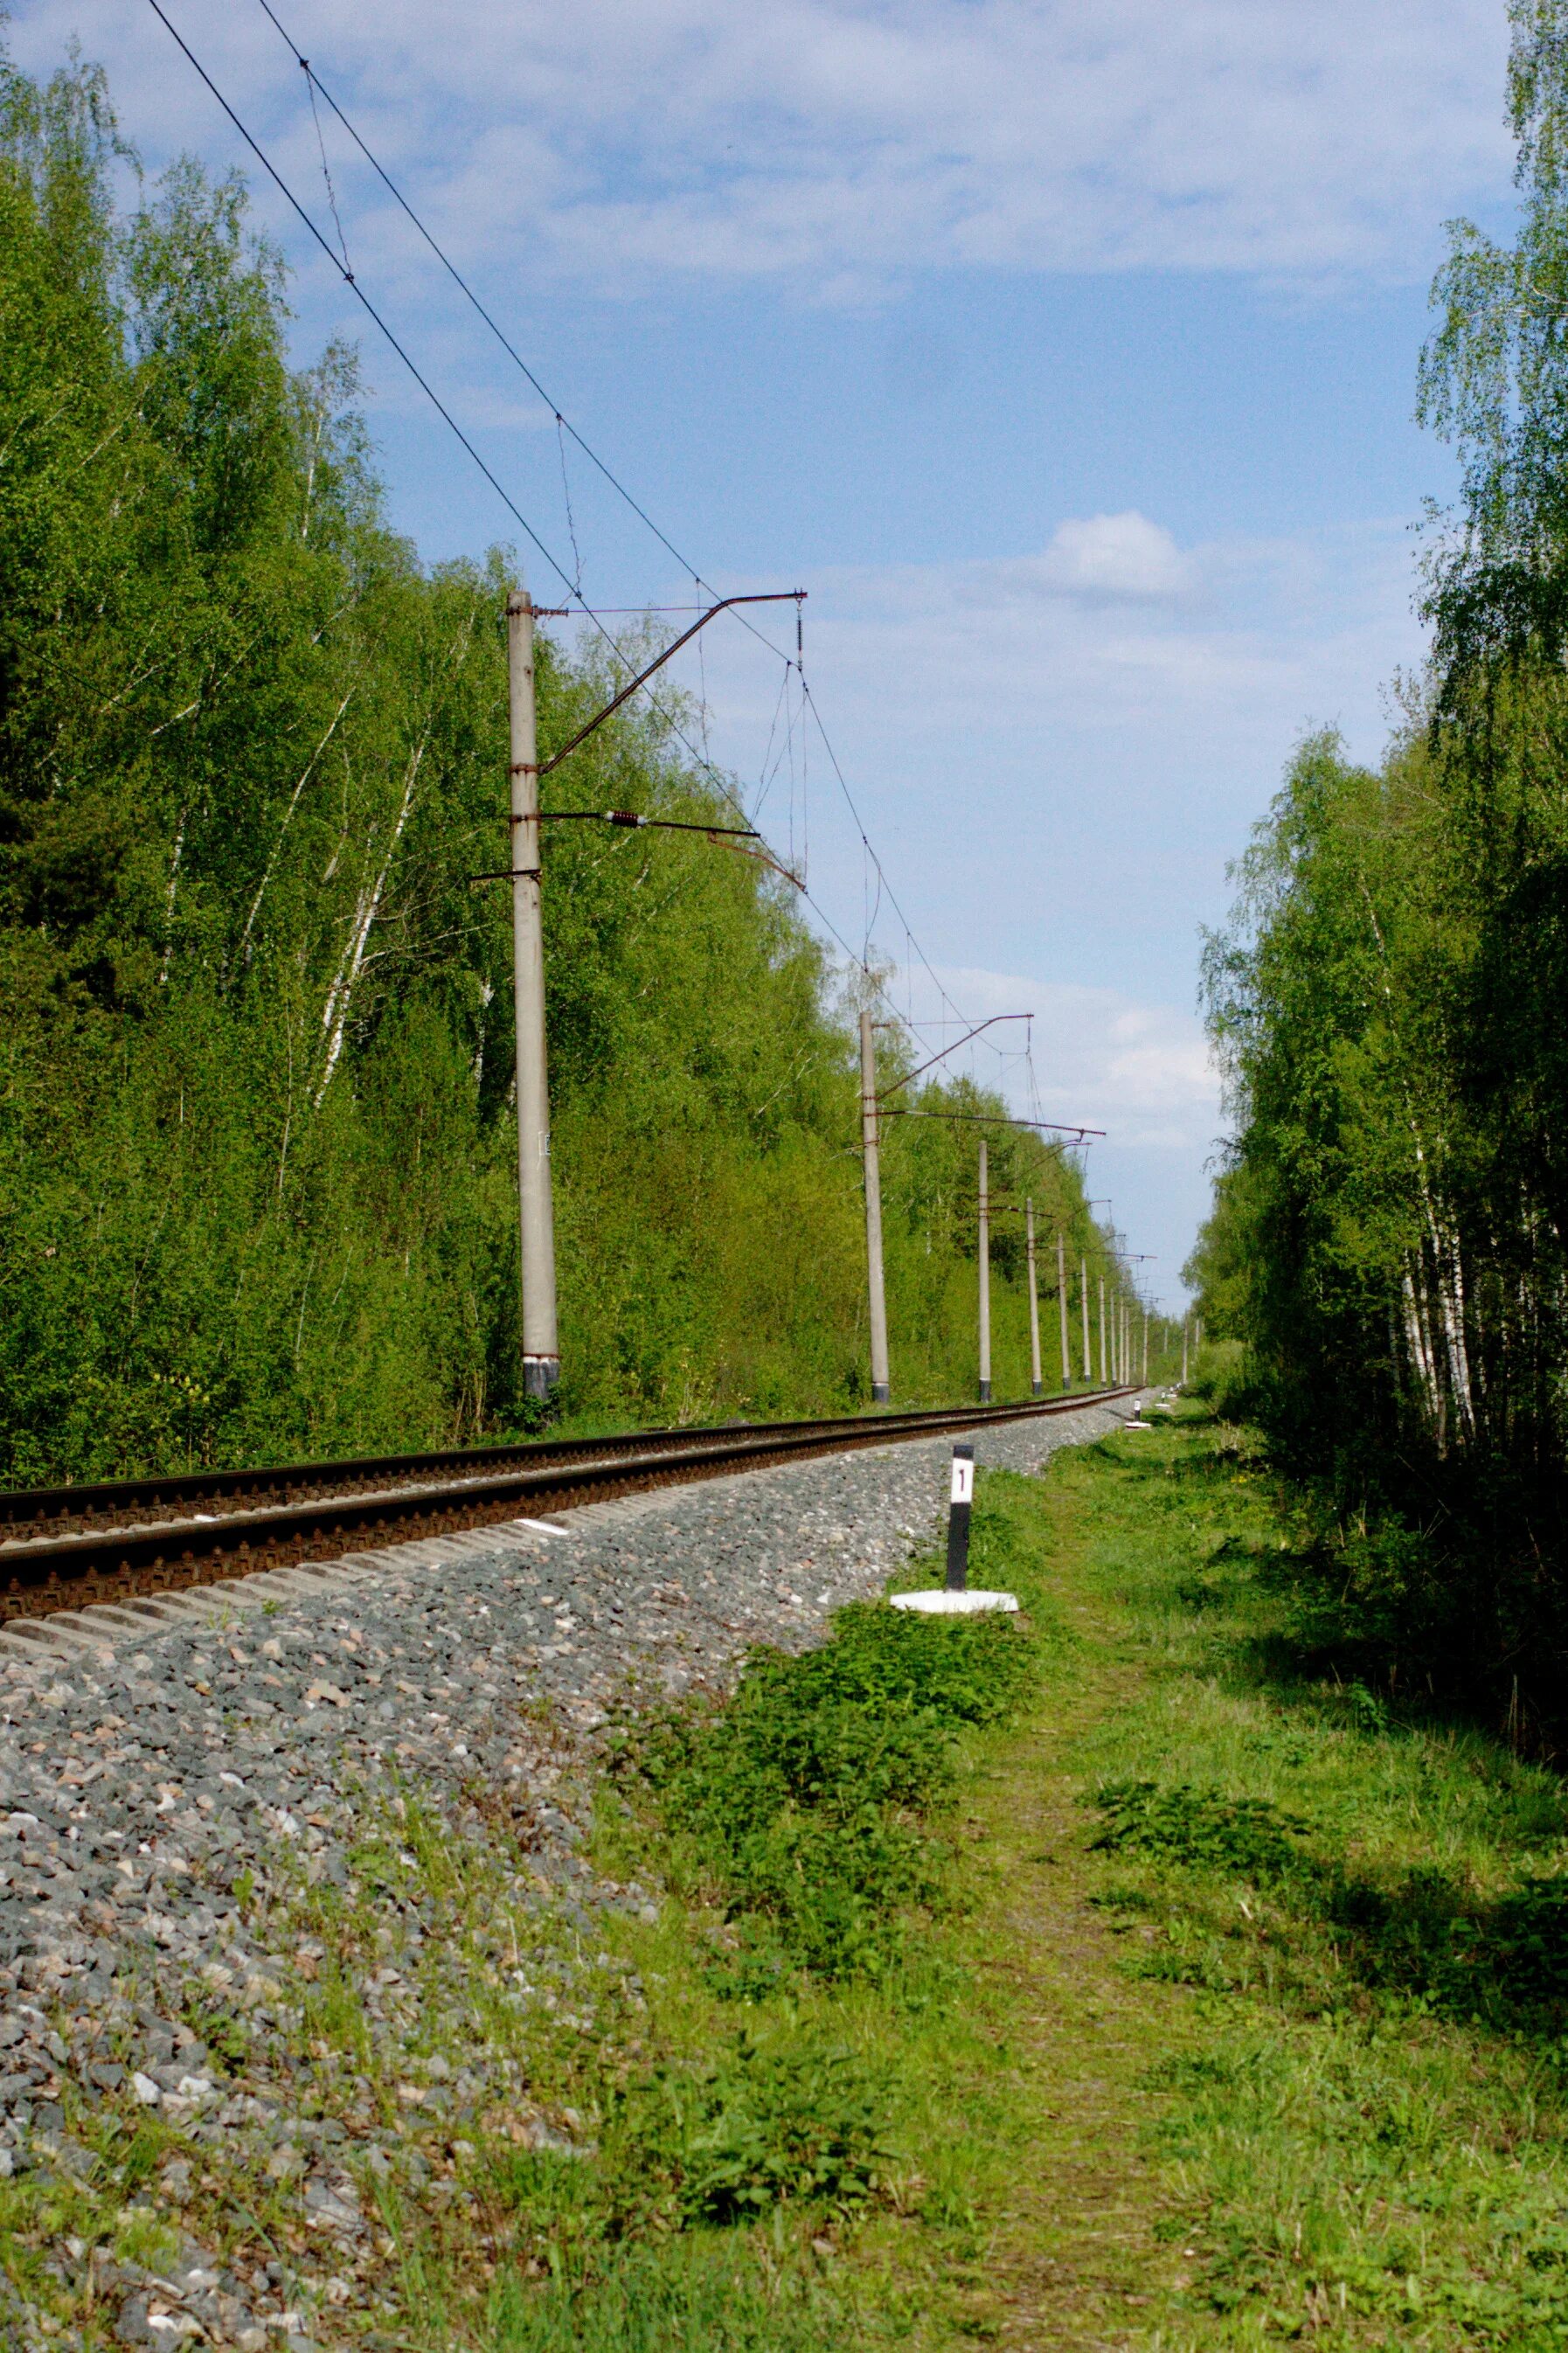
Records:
x=944, y=1603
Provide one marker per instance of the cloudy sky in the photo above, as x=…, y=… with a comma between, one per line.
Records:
x=1062, y=350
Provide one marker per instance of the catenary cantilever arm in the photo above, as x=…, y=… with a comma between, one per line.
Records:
x=946, y=1050
x=778, y=597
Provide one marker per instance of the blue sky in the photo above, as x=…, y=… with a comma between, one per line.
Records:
x=1064, y=354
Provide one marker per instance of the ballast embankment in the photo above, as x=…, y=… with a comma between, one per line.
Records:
x=171, y=1793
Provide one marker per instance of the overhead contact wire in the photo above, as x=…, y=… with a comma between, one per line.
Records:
x=565, y=426
x=559, y=569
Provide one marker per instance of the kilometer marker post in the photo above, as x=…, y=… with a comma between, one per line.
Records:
x=961, y=1503
x=957, y=1597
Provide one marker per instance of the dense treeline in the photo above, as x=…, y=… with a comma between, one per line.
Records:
x=256, y=1160
x=1389, y=1251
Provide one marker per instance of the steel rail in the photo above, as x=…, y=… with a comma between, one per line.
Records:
x=92, y=1503
x=65, y=1572
x=172, y=1495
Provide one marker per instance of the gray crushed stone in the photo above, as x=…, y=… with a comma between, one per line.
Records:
x=149, y=1782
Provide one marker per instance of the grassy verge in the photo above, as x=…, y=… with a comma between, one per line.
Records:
x=1097, y=1980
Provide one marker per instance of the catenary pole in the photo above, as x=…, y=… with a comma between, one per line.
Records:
x=536, y=1211
x=873, y=1155
x=1185, y=1326
x=1083, y=1302
x=1037, y=1385
x=1104, y=1353
x=1062, y=1309
x=985, y=1267
x=1146, y=1347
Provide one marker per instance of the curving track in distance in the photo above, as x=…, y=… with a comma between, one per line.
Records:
x=66, y=1547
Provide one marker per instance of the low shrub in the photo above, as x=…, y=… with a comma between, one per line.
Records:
x=803, y=2122
x=807, y=1797
x=1176, y=1823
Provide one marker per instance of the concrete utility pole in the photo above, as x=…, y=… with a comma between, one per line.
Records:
x=536, y=1207
x=1062, y=1309
x=872, y=1154
x=1104, y=1352
x=1146, y=1347
x=1037, y=1385
x=1185, y=1322
x=984, y=1258
x=1083, y=1302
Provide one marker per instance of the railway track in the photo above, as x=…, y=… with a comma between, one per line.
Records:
x=66, y=1547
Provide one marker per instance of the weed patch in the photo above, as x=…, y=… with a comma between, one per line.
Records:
x=1180, y=1824
x=808, y=1801
x=722, y=2143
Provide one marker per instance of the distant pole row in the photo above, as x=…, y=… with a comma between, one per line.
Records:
x=1117, y=1348
x=540, y=1341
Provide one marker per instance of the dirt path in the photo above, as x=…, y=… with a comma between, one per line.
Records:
x=1077, y=2257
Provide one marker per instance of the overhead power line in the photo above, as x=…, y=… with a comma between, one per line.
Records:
x=570, y=582
x=455, y=275
x=565, y=427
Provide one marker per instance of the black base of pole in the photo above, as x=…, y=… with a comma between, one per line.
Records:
x=1037, y=1389
x=985, y=1392
x=880, y=1392
x=541, y=1376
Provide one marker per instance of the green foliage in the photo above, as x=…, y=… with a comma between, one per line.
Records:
x=1492, y=383
x=1181, y=1824
x=257, y=1155
x=800, y=2122
x=805, y=1795
x=690, y=2296
x=1387, y=1251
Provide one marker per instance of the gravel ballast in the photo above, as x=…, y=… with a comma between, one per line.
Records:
x=166, y=1793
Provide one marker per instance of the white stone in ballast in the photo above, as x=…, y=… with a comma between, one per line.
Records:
x=943, y=1604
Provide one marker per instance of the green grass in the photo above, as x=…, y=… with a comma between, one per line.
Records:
x=1356, y=1915
x=1096, y=1979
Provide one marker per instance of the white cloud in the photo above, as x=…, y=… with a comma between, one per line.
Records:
x=1055, y=779
x=1141, y=1072
x=1168, y=669
x=1116, y=556
x=840, y=142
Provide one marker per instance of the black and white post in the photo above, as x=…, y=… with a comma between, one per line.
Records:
x=957, y=1597
x=961, y=1501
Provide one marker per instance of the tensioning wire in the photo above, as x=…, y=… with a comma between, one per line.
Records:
x=555, y=566
x=564, y=427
